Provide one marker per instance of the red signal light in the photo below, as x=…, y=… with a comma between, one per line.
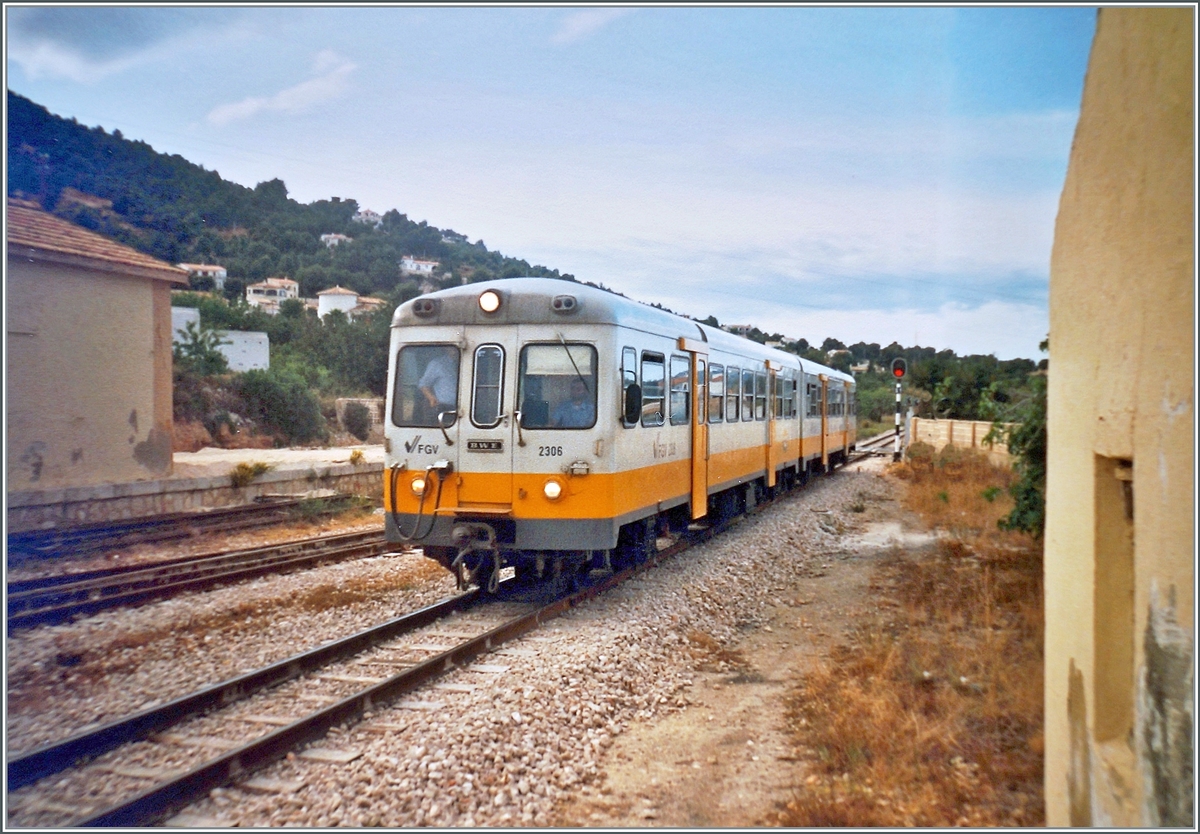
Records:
x=899, y=368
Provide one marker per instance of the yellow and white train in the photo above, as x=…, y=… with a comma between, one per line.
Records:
x=556, y=428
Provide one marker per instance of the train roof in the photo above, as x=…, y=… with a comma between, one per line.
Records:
x=531, y=300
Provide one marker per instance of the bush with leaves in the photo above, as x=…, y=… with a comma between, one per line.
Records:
x=357, y=419
x=282, y=401
x=1027, y=440
x=198, y=352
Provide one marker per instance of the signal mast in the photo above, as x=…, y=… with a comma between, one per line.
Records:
x=899, y=368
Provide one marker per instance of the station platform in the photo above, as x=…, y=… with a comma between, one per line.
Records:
x=202, y=480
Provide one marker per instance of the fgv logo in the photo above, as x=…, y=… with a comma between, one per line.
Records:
x=415, y=445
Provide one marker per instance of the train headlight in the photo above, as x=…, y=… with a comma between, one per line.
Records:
x=418, y=486
x=489, y=301
x=552, y=490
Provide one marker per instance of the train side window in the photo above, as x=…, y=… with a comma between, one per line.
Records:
x=760, y=395
x=653, y=384
x=426, y=386
x=628, y=380
x=733, y=393
x=701, y=390
x=747, y=394
x=681, y=370
x=716, y=392
x=778, y=409
x=489, y=386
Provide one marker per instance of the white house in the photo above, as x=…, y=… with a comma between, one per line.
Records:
x=216, y=273
x=416, y=266
x=332, y=240
x=267, y=295
x=348, y=301
x=371, y=218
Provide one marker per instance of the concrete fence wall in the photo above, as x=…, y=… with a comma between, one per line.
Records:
x=964, y=433
x=42, y=509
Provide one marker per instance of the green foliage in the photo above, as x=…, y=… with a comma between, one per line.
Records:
x=1027, y=444
x=283, y=401
x=244, y=473
x=198, y=352
x=357, y=418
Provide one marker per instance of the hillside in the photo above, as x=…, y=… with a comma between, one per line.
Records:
x=178, y=211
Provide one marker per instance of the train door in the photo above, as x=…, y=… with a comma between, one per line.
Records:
x=698, y=351
x=772, y=454
x=845, y=419
x=824, y=421
x=486, y=434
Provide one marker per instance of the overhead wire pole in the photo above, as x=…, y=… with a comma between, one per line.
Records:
x=899, y=368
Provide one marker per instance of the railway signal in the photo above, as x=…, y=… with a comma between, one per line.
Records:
x=899, y=369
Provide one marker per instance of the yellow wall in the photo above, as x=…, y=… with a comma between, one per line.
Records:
x=88, y=376
x=1119, y=528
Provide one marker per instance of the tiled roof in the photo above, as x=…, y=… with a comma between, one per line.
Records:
x=37, y=235
x=339, y=290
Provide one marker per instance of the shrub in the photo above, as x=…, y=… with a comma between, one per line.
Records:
x=283, y=402
x=357, y=419
x=244, y=473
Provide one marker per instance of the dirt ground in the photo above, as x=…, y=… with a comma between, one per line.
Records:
x=727, y=760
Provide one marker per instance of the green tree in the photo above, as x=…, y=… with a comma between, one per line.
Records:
x=1027, y=441
x=198, y=352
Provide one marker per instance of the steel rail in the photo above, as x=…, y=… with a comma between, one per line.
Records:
x=45, y=761
x=156, y=803
x=35, y=544
x=132, y=586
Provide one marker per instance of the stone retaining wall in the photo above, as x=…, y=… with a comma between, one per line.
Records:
x=44, y=509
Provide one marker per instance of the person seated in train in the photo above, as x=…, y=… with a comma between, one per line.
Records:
x=439, y=385
x=577, y=412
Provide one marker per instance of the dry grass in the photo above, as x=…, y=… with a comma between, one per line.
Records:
x=931, y=715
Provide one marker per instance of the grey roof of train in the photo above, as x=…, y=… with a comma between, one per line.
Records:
x=526, y=300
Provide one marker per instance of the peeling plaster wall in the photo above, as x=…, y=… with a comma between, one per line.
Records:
x=88, y=377
x=1120, y=497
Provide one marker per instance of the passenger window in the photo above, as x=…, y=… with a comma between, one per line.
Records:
x=489, y=382
x=426, y=386
x=628, y=380
x=778, y=409
x=680, y=371
x=716, y=393
x=653, y=384
x=701, y=390
x=556, y=386
x=760, y=395
x=733, y=394
x=747, y=394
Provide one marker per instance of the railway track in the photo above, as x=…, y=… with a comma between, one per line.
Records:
x=57, y=599
x=346, y=677
x=92, y=538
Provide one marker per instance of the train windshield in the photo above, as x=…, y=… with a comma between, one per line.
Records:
x=426, y=386
x=557, y=386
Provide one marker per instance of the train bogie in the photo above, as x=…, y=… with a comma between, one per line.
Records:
x=555, y=428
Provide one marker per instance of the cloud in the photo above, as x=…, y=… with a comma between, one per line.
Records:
x=332, y=73
x=87, y=44
x=577, y=26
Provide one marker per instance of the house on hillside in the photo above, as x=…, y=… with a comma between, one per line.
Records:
x=367, y=217
x=334, y=239
x=267, y=295
x=416, y=266
x=216, y=273
x=348, y=301
x=89, y=358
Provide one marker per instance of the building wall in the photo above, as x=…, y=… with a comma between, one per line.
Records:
x=88, y=376
x=246, y=349
x=335, y=301
x=1119, y=570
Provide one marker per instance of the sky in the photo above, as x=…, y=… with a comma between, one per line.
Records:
x=867, y=174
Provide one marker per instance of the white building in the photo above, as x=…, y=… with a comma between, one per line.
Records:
x=267, y=295
x=332, y=240
x=416, y=266
x=371, y=218
x=348, y=301
x=243, y=350
x=216, y=273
